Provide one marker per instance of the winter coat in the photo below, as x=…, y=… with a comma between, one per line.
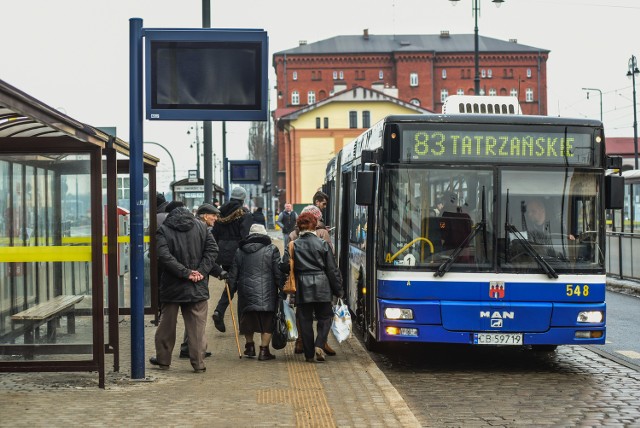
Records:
x=232, y=227
x=317, y=275
x=255, y=274
x=184, y=244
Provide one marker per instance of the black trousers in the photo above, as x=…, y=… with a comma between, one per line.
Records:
x=223, y=302
x=324, y=315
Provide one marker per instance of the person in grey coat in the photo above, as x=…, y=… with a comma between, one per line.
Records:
x=256, y=276
x=186, y=251
x=317, y=280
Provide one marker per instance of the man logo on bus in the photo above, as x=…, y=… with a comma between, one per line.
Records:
x=496, y=290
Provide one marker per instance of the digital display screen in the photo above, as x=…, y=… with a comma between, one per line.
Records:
x=500, y=146
x=206, y=74
x=245, y=172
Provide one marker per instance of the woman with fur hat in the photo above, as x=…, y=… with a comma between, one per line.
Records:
x=232, y=226
x=255, y=275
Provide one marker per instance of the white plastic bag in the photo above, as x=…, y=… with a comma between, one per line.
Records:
x=290, y=318
x=341, y=326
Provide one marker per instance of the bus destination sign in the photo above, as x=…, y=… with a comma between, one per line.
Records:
x=502, y=146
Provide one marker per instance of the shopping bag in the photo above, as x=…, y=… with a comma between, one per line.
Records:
x=280, y=329
x=290, y=318
x=341, y=325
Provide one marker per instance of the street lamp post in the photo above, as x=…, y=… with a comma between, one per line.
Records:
x=197, y=143
x=600, y=92
x=633, y=70
x=173, y=164
x=476, y=49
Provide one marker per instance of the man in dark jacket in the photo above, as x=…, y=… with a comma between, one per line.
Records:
x=287, y=222
x=256, y=276
x=186, y=250
x=232, y=227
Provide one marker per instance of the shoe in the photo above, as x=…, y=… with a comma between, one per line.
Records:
x=298, y=349
x=207, y=354
x=319, y=354
x=329, y=350
x=265, y=354
x=154, y=361
x=250, y=349
x=202, y=370
x=218, y=321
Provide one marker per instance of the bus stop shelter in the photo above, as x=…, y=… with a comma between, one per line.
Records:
x=64, y=244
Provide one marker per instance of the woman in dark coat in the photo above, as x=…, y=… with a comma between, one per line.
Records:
x=317, y=280
x=255, y=275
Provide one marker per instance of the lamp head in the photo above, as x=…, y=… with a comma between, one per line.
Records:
x=498, y=3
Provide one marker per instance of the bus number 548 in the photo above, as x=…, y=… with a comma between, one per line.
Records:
x=577, y=290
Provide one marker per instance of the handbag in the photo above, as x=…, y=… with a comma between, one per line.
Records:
x=290, y=283
x=280, y=329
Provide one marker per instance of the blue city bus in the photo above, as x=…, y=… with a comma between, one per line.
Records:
x=484, y=229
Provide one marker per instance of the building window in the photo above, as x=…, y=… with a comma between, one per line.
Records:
x=529, y=95
x=483, y=73
x=415, y=102
x=317, y=123
x=326, y=123
x=380, y=75
x=460, y=92
x=353, y=119
x=528, y=72
x=335, y=75
x=413, y=79
x=492, y=92
x=295, y=98
x=443, y=95
x=489, y=73
x=514, y=93
x=295, y=75
x=444, y=73
x=366, y=119
x=341, y=75
x=311, y=97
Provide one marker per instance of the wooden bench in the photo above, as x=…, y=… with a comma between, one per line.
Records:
x=49, y=312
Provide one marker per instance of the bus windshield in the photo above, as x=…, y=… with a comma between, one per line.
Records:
x=533, y=221
x=430, y=214
x=556, y=213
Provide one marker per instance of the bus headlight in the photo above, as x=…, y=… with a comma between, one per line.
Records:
x=398, y=314
x=590, y=316
x=397, y=331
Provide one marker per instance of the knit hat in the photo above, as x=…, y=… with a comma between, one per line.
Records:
x=313, y=210
x=207, y=209
x=173, y=205
x=257, y=228
x=238, y=193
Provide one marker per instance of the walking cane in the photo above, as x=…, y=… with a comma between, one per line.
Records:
x=233, y=318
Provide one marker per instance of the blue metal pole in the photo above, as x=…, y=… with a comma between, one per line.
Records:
x=136, y=170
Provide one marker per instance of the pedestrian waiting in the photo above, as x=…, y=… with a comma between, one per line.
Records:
x=256, y=277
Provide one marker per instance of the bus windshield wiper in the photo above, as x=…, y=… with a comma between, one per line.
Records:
x=482, y=225
x=509, y=228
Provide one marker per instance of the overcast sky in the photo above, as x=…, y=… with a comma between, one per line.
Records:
x=73, y=54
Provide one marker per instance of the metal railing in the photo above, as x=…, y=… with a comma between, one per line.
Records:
x=623, y=255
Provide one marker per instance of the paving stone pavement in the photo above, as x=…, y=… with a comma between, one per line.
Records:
x=347, y=391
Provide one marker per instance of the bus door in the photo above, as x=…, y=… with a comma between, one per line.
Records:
x=343, y=237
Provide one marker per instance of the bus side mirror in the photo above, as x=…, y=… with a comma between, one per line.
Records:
x=365, y=188
x=614, y=192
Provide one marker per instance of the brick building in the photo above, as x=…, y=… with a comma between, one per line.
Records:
x=418, y=69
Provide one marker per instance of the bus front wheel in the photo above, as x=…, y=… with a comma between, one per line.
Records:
x=370, y=342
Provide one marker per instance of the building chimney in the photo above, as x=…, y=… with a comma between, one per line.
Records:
x=302, y=42
x=513, y=40
x=444, y=34
x=365, y=34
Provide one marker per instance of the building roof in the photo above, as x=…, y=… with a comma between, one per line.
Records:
x=355, y=94
x=369, y=43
